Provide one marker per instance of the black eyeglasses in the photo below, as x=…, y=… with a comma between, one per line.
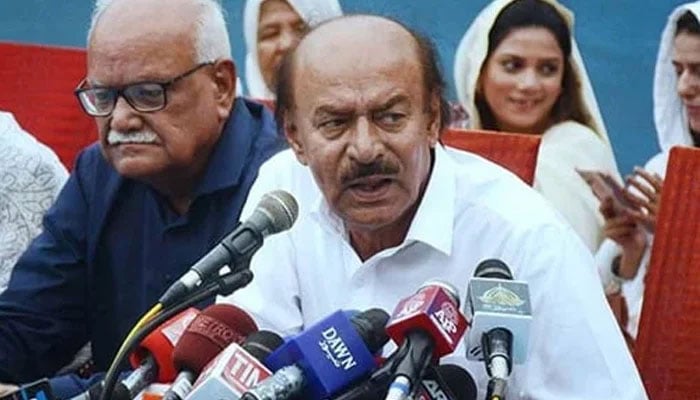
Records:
x=142, y=96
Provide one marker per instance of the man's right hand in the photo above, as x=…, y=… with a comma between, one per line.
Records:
x=6, y=389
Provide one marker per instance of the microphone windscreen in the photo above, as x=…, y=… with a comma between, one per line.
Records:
x=370, y=326
x=279, y=208
x=261, y=344
x=493, y=268
x=433, y=311
x=209, y=334
x=160, y=343
x=458, y=381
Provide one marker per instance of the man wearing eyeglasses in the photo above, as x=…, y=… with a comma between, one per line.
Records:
x=177, y=155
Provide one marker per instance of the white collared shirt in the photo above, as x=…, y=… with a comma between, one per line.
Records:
x=472, y=210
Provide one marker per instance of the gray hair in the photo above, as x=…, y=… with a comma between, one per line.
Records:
x=212, y=40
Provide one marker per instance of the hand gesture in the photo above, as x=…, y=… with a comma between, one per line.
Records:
x=624, y=229
x=649, y=186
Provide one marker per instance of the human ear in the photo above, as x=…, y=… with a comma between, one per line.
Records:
x=224, y=80
x=434, y=120
x=293, y=138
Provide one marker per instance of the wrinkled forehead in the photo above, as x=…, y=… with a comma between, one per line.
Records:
x=359, y=89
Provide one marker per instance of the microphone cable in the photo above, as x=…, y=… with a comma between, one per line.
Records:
x=156, y=316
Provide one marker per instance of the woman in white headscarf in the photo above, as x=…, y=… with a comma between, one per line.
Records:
x=518, y=69
x=285, y=21
x=623, y=257
x=30, y=178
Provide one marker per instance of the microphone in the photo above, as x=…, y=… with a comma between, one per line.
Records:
x=236, y=369
x=427, y=325
x=325, y=358
x=275, y=213
x=153, y=358
x=207, y=335
x=443, y=382
x=500, y=313
x=447, y=382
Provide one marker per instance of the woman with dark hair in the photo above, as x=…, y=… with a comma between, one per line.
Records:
x=518, y=69
x=624, y=256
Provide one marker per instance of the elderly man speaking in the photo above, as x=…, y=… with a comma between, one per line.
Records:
x=389, y=208
x=177, y=155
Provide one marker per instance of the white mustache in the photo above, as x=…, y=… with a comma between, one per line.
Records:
x=116, y=137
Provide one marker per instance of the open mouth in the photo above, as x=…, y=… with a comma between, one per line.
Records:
x=371, y=187
x=524, y=103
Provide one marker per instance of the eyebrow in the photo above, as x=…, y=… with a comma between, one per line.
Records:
x=330, y=109
x=677, y=62
x=394, y=100
x=513, y=55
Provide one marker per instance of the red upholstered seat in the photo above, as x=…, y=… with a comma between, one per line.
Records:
x=667, y=350
x=515, y=152
x=36, y=85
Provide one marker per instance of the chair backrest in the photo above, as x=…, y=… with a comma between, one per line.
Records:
x=667, y=350
x=515, y=152
x=36, y=85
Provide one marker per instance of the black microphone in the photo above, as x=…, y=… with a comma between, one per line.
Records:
x=276, y=212
x=442, y=382
x=447, y=382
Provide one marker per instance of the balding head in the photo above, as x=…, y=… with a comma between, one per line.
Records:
x=361, y=41
x=202, y=21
